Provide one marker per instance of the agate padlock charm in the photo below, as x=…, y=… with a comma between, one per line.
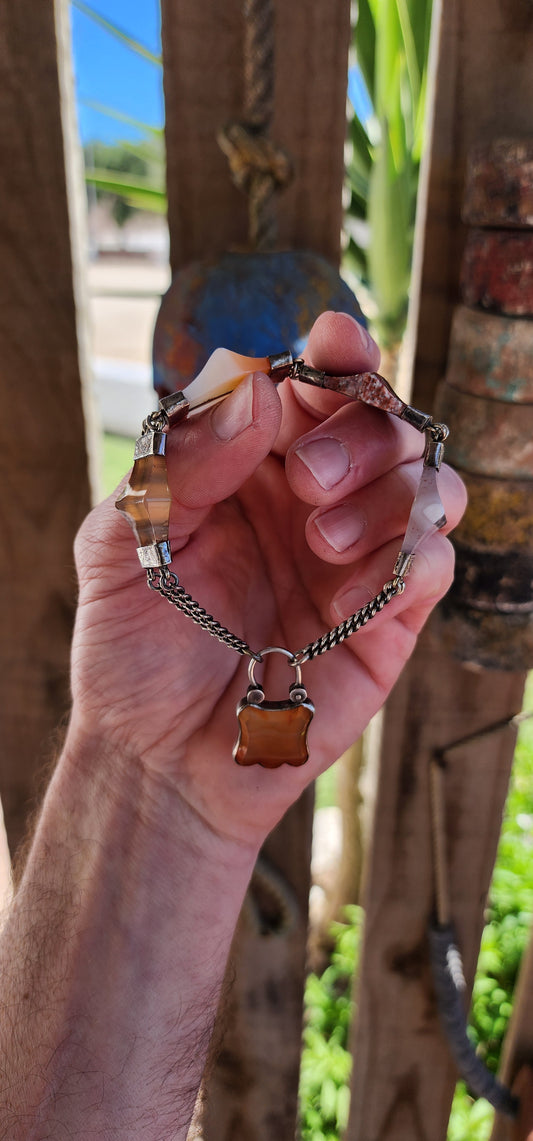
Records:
x=273, y=733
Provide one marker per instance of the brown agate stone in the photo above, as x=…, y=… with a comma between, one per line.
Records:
x=273, y=733
x=145, y=502
x=370, y=388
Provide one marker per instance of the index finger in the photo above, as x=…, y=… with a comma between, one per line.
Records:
x=338, y=344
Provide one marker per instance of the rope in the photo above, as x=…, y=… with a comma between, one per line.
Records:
x=258, y=63
x=258, y=166
x=446, y=963
x=450, y=986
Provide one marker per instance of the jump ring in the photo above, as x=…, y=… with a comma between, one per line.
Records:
x=258, y=658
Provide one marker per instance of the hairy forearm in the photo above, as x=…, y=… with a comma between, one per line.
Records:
x=113, y=956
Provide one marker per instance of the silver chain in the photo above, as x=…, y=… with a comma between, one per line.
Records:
x=360, y=618
x=166, y=583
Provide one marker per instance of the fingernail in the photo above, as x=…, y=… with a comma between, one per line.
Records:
x=326, y=459
x=341, y=526
x=367, y=341
x=234, y=414
x=351, y=601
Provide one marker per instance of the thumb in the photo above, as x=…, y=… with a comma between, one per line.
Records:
x=208, y=458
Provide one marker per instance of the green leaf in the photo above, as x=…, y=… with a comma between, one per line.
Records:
x=388, y=60
x=142, y=195
x=413, y=69
x=356, y=260
x=365, y=44
x=362, y=148
x=389, y=254
x=119, y=34
x=121, y=117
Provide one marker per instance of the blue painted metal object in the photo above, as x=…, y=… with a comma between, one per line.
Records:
x=252, y=303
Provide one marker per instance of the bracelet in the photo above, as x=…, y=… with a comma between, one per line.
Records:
x=271, y=733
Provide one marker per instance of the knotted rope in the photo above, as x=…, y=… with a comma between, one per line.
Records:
x=446, y=961
x=258, y=166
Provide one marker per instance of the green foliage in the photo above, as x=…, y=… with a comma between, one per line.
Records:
x=131, y=175
x=391, y=40
x=326, y=1062
x=470, y=1120
x=117, y=453
x=505, y=937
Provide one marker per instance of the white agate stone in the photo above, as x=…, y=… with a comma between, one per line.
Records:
x=427, y=513
x=220, y=375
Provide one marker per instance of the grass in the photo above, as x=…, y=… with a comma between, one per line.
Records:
x=117, y=453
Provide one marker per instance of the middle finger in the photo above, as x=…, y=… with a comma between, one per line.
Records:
x=355, y=446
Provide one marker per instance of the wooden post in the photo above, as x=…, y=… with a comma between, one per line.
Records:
x=518, y=1052
x=203, y=81
x=252, y=1091
x=403, y=1076
x=43, y=456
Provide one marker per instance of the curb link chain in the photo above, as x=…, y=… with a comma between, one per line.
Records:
x=166, y=583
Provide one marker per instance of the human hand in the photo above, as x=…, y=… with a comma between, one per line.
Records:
x=288, y=511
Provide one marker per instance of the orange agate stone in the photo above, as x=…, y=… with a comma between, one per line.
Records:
x=273, y=733
x=145, y=502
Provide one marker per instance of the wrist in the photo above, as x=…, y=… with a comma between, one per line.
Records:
x=127, y=954
x=120, y=786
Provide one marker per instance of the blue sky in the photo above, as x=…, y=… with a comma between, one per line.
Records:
x=107, y=72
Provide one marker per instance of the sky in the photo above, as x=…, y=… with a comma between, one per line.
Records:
x=109, y=73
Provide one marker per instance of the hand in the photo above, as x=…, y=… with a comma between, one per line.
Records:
x=288, y=511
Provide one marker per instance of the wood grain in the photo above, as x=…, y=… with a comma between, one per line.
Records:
x=251, y=1091
x=43, y=460
x=483, y=91
x=518, y=1053
x=403, y=1077
x=203, y=81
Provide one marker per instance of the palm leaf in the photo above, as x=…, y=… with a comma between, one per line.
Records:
x=409, y=45
x=119, y=34
x=365, y=43
x=121, y=117
x=142, y=195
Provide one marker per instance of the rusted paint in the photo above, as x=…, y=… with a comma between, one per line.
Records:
x=487, y=616
x=499, y=184
x=499, y=515
x=497, y=271
x=254, y=304
x=494, y=641
x=491, y=355
x=500, y=581
x=484, y=438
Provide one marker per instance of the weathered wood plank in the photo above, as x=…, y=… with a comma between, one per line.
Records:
x=43, y=460
x=484, y=91
x=203, y=80
x=518, y=1052
x=403, y=1077
x=251, y=1092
